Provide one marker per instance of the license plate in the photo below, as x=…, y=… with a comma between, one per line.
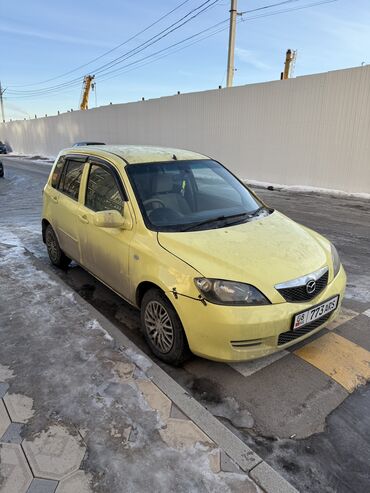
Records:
x=314, y=313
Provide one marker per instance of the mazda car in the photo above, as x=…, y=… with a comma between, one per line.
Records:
x=213, y=269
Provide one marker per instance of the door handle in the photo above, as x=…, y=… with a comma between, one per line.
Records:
x=83, y=219
x=54, y=198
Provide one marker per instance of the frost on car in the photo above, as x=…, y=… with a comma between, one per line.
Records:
x=213, y=269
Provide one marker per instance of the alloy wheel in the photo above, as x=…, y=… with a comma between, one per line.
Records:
x=159, y=326
x=51, y=243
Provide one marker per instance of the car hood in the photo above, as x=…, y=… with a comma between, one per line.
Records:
x=263, y=252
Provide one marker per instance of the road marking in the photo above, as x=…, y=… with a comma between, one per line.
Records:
x=367, y=313
x=247, y=368
x=344, y=315
x=344, y=361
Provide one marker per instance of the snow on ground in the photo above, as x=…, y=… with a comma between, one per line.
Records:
x=47, y=160
x=65, y=362
x=310, y=189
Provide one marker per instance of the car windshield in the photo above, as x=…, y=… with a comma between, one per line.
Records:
x=190, y=195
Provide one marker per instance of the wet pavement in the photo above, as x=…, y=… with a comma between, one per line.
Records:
x=307, y=416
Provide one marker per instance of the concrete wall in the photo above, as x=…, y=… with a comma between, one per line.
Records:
x=312, y=130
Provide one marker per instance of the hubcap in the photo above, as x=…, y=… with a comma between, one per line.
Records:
x=52, y=247
x=159, y=326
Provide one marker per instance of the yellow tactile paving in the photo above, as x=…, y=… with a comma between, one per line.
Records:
x=345, y=362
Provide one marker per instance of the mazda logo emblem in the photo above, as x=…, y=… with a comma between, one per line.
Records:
x=311, y=286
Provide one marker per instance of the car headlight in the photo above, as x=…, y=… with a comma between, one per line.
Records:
x=229, y=292
x=336, y=260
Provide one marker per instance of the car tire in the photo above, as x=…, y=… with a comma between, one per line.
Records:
x=162, y=328
x=56, y=255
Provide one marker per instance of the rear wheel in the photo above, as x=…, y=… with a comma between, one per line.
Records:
x=162, y=328
x=56, y=255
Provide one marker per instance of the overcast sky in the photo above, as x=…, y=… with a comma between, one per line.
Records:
x=43, y=39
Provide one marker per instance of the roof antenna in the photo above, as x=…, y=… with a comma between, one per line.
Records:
x=174, y=157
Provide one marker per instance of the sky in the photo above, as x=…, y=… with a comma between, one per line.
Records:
x=42, y=40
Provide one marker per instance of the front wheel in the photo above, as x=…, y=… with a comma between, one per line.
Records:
x=162, y=328
x=56, y=255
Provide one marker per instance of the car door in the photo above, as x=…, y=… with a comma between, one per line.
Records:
x=105, y=251
x=65, y=206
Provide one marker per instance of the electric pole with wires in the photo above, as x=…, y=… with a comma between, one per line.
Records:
x=2, y=103
x=230, y=56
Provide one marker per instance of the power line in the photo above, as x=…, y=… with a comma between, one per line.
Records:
x=109, y=51
x=120, y=70
x=154, y=39
x=219, y=23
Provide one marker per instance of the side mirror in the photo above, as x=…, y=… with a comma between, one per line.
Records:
x=109, y=219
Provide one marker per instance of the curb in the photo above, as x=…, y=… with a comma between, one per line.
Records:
x=261, y=472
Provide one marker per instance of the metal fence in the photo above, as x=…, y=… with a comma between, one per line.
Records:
x=312, y=130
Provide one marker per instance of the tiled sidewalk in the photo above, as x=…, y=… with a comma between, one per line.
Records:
x=77, y=415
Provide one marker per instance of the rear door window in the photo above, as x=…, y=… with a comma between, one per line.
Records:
x=71, y=178
x=103, y=193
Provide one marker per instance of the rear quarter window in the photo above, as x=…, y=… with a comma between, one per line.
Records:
x=57, y=171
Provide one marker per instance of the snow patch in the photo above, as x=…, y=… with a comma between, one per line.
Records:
x=47, y=160
x=69, y=295
x=306, y=188
x=8, y=238
x=95, y=325
x=140, y=360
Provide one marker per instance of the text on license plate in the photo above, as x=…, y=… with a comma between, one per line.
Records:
x=314, y=313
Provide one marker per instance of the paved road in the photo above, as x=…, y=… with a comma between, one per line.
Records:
x=302, y=410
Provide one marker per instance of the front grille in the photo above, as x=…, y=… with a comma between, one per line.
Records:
x=299, y=293
x=290, y=335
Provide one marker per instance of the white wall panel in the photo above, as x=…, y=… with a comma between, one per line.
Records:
x=312, y=130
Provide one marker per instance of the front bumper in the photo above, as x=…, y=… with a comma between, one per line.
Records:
x=240, y=333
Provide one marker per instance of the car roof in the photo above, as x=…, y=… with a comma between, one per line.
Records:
x=135, y=154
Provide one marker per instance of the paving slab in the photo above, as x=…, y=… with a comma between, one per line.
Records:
x=15, y=473
x=54, y=454
x=266, y=477
x=43, y=486
x=78, y=482
x=5, y=373
x=228, y=465
x=176, y=413
x=3, y=389
x=76, y=384
x=4, y=419
x=180, y=433
x=13, y=434
x=155, y=398
x=19, y=407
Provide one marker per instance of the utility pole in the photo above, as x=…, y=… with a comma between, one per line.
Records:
x=2, y=102
x=230, y=56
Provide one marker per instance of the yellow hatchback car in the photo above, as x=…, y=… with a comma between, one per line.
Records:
x=211, y=267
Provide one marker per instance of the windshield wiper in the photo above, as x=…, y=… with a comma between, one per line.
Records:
x=248, y=215
x=215, y=220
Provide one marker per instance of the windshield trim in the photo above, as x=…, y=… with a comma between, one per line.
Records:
x=177, y=228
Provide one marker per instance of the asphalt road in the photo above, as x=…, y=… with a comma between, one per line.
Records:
x=308, y=418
